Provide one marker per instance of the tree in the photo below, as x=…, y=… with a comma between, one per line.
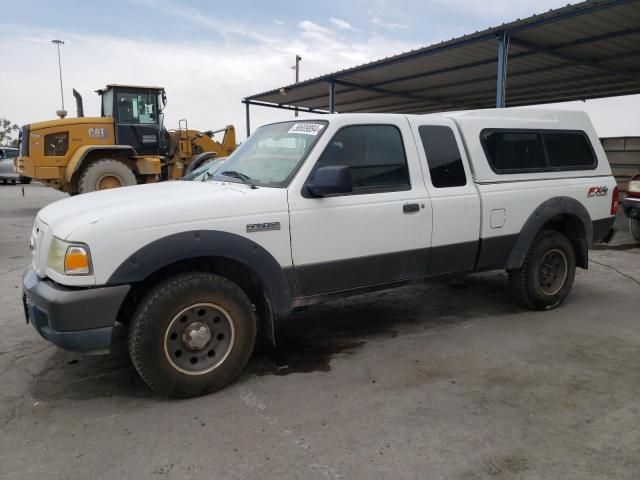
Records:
x=8, y=133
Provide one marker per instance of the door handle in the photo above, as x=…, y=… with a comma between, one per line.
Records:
x=410, y=207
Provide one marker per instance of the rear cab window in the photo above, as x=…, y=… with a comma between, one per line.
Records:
x=522, y=151
x=443, y=156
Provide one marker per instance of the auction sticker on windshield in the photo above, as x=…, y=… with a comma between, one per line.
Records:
x=307, y=128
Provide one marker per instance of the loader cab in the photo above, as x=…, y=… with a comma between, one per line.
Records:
x=137, y=113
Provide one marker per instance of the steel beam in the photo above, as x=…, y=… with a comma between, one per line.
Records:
x=247, y=118
x=503, y=55
x=332, y=96
x=281, y=106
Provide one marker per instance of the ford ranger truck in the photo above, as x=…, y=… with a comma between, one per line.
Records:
x=305, y=211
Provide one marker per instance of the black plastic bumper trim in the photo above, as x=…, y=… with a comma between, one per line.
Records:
x=69, y=309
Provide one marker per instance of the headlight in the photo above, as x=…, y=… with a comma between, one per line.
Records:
x=69, y=258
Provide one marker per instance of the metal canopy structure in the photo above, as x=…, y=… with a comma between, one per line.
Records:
x=582, y=51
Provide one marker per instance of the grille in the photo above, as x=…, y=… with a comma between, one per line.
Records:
x=23, y=139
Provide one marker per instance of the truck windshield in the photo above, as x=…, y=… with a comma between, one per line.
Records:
x=271, y=156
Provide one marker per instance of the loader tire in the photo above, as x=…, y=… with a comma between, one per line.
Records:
x=105, y=174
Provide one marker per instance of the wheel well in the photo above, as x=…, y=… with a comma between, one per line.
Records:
x=230, y=269
x=573, y=228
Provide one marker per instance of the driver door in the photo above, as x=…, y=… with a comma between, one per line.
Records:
x=378, y=233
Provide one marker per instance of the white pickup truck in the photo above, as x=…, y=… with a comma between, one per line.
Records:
x=189, y=273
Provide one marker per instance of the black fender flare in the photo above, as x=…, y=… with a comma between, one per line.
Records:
x=541, y=215
x=182, y=246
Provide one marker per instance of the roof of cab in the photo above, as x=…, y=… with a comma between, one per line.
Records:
x=124, y=85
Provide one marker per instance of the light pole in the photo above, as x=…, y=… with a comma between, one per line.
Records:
x=296, y=69
x=61, y=113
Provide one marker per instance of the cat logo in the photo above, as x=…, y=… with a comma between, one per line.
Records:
x=97, y=132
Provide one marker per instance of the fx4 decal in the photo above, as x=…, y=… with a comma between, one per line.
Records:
x=600, y=191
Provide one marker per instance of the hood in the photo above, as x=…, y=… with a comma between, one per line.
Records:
x=65, y=122
x=147, y=206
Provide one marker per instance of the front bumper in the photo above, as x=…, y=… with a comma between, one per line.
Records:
x=79, y=319
x=24, y=166
x=631, y=207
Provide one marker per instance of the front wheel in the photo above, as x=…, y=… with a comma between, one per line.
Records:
x=546, y=276
x=192, y=334
x=105, y=174
x=634, y=228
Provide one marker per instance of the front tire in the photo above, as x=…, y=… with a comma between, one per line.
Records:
x=546, y=276
x=634, y=228
x=192, y=334
x=105, y=174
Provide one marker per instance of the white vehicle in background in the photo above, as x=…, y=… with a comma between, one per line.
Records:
x=188, y=273
x=7, y=173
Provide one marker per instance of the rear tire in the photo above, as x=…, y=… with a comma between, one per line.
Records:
x=105, y=174
x=192, y=334
x=25, y=180
x=634, y=228
x=546, y=276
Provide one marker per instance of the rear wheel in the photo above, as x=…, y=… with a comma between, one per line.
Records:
x=192, y=334
x=25, y=180
x=105, y=174
x=546, y=276
x=634, y=228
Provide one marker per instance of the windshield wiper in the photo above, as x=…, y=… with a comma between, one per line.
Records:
x=245, y=178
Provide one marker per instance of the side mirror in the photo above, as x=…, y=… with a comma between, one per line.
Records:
x=330, y=180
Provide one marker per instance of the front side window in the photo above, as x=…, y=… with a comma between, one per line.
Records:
x=272, y=155
x=136, y=107
x=9, y=153
x=374, y=154
x=443, y=156
x=56, y=144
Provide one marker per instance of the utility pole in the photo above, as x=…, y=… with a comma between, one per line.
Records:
x=61, y=113
x=296, y=69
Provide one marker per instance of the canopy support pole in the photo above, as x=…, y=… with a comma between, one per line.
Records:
x=247, y=118
x=332, y=96
x=503, y=54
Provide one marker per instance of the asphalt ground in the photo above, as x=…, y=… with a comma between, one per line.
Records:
x=450, y=380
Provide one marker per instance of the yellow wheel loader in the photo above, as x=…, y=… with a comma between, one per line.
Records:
x=126, y=145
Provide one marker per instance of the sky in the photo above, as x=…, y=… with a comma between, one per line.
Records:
x=211, y=54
